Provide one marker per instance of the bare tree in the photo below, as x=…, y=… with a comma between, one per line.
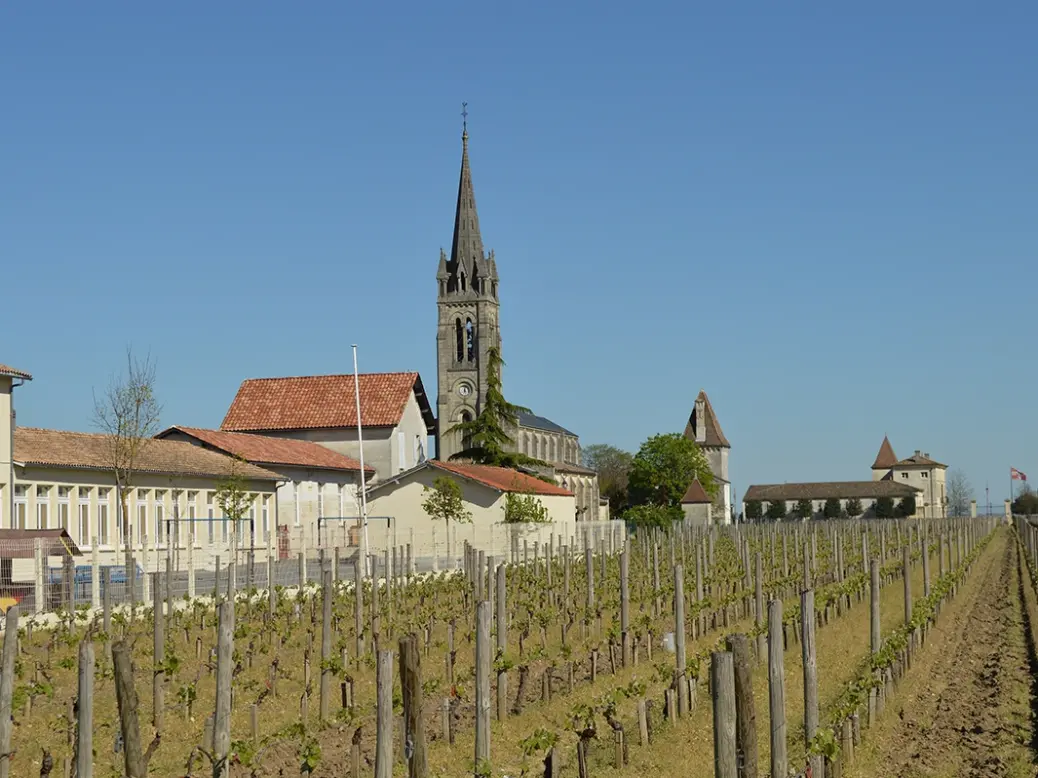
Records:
x=128, y=413
x=960, y=493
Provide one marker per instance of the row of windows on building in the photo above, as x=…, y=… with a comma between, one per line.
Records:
x=159, y=514
x=550, y=448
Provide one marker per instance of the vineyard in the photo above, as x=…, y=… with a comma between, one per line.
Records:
x=757, y=650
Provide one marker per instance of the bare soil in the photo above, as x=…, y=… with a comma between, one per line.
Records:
x=967, y=706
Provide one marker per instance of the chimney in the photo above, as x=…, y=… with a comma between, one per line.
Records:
x=700, y=420
x=918, y=452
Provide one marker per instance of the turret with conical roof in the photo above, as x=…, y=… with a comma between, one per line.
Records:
x=885, y=460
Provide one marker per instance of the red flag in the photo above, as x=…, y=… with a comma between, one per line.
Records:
x=1016, y=475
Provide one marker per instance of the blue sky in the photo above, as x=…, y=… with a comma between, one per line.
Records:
x=824, y=214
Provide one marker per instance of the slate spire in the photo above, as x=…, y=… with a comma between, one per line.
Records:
x=467, y=248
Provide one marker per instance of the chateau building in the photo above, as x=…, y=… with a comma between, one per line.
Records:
x=468, y=327
x=704, y=428
x=918, y=477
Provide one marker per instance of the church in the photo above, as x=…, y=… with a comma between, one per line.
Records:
x=468, y=328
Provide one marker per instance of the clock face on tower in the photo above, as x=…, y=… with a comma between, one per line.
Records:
x=464, y=390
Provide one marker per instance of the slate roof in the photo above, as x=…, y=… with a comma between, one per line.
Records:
x=533, y=421
x=829, y=489
x=7, y=370
x=886, y=458
x=325, y=401
x=265, y=450
x=502, y=479
x=714, y=434
x=696, y=494
x=90, y=451
x=569, y=467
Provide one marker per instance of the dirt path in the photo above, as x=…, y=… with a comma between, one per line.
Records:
x=966, y=707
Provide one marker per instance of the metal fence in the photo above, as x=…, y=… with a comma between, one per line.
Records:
x=40, y=580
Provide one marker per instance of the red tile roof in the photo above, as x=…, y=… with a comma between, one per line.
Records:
x=502, y=478
x=886, y=458
x=265, y=450
x=918, y=460
x=317, y=402
x=5, y=370
x=695, y=494
x=89, y=451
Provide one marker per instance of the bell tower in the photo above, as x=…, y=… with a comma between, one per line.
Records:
x=467, y=304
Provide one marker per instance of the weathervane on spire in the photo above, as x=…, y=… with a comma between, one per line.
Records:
x=465, y=118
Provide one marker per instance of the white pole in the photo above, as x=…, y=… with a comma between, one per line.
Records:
x=363, y=486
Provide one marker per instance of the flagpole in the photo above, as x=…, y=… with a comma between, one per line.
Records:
x=363, y=484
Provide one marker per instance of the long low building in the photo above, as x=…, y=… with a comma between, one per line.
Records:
x=866, y=492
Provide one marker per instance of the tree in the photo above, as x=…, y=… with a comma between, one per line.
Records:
x=832, y=509
x=777, y=510
x=128, y=414
x=649, y=516
x=960, y=493
x=664, y=467
x=884, y=508
x=614, y=467
x=853, y=507
x=906, y=508
x=443, y=501
x=803, y=509
x=1026, y=502
x=234, y=500
x=522, y=508
x=754, y=510
x=486, y=438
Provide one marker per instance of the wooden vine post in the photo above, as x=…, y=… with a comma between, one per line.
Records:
x=358, y=593
x=224, y=674
x=745, y=710
x=10, y=653
x=158, y=681
x=762, y=638
x=85, y=712
x=502, y=643
x=876, y=637
x=680, y=658
x=327, y=675
x=722, y=685
x=777, y=690
x=135, y=760
x=483, y=657
x=384, y=716
x=414, y=724
x=625, y=607
x=807, y=624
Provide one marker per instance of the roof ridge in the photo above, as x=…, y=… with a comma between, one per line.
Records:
x=330, y=375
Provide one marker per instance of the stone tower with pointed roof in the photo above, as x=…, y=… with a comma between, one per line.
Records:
x=468, y=324
x=704, y=428
x=882, y=468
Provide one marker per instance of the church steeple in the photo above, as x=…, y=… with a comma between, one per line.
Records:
x=469, y=269
x=468, y=316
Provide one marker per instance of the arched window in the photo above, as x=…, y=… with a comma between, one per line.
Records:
x=462, y=277
x=460, y=335
x=551, y=449
x=463, y=417
x=470, y=340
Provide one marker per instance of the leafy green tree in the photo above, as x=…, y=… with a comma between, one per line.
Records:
x=523, y=508
x=777, y=510
x=443, y=501
x=1026, y=502
x=832, y=509
x=614, y=469
x=664, y=467
x=754, y=510
x=648, y=515
x=486, y=437
x=884, y=508
x=803, y=509
x=906, y=508
x=234, y=500
x=853, y=507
